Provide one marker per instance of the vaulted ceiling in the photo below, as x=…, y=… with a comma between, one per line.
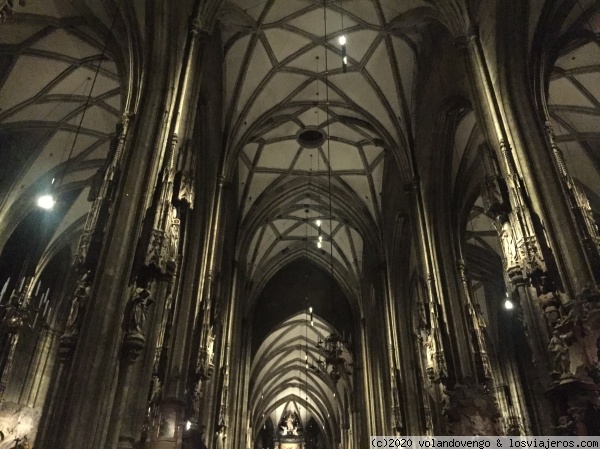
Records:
x=284, y=376
x=61, y=99
x=574, y=105
x=284, y=75
x=316, y=198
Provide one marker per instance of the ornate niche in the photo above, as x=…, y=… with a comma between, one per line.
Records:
x=290, y=432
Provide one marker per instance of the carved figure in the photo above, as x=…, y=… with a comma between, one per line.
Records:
x=560, y=351
x=430, y=354
x=82, y=291
x=210, y=345
x=156, y=390
x=549, y=300
x=290, y=423
x=136, y=311
x=509, y=246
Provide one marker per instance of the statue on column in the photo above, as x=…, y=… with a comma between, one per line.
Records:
x=560, y=353
x=136, y=311
x=549, y=299
x=82, y=292
x=509, y=246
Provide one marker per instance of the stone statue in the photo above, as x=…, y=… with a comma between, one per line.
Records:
x=549, y=300
x=290, y=423
x=136, y=311
x=156, y=390
x=290, y=426
x=430, y=353
x=82, y=292
x=210, y=347
x=560, y=351
x=509, y=246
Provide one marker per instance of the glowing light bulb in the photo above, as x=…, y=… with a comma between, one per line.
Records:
x=310, y=309
x=46, y=201
x=318, y=222
x=320, y=238
x=508, y=305
x=345, y=59
x=319, y=245
x=188, y=425
x=342, y=40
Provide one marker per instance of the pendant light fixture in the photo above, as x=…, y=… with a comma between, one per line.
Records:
x=332, y=349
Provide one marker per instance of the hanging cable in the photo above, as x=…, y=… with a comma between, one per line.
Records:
x=87, y=102
x=329, y=163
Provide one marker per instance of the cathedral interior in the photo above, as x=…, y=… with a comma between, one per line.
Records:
x=295, y=224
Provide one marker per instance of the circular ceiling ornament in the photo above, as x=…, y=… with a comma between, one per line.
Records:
x=311, y=137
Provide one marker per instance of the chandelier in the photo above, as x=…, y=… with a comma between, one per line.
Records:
x=332, y=349
x=7, y=8
x=333, y=364
x=23, y=310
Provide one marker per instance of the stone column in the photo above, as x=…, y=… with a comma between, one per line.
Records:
x=369, y=424
x=180, y=395
x=95, y=347
x=392, y=341
x=437, y=367
x=534, y=188
x=541, y=220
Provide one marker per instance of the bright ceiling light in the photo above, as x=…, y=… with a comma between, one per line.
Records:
x=46, y=201
x=319, y=245
x=342, y=40
x=508, y=305
x=318, y=222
